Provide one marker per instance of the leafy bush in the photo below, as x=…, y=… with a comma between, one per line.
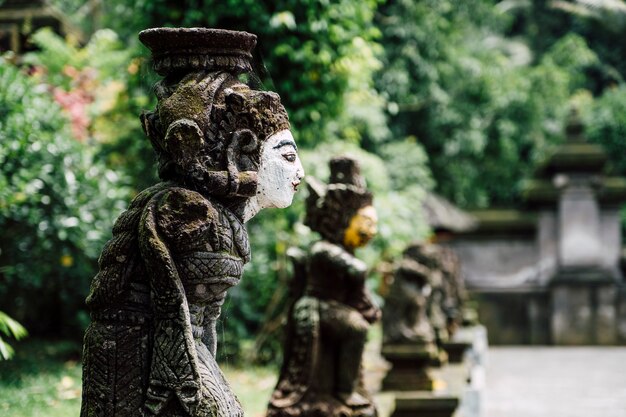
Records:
x=606, y=124
x=102, y=87
x=57, y=204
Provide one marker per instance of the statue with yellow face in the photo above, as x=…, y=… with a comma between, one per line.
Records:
x=332, y=309
x=362, y=228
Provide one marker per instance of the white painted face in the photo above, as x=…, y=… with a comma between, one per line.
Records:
x=280, y=171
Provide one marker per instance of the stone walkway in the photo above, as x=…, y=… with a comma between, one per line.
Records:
x=555, y=382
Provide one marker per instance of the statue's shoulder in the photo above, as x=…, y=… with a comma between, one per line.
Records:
x=331, y=254
x=185, y=205
x=326, y=248
x=182, y=214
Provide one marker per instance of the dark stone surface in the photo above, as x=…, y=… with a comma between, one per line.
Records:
x=456, y=350
x=410, y=367
x=518, y=318
x=413, y=404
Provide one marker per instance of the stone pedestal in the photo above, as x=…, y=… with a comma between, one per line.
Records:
x=424, y=404
x=411, y=367
x=456, y=350
x=584, y=311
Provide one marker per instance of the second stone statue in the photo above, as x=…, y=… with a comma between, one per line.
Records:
x=224, y=153
x=331, y=309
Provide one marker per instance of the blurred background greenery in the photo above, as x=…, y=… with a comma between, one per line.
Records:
x=460, y=98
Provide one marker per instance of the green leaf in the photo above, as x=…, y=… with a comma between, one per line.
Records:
x=12, y=328
x=6, y=351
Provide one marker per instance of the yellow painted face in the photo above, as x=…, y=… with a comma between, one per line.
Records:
x=362, y=228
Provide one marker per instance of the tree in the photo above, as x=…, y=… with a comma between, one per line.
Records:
x=484, y=105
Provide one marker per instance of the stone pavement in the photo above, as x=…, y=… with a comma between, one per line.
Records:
x=555, y=382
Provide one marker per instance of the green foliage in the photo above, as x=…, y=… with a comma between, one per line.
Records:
x=606, y=124
x=42, y=379
x=318, y=55
x=598, y=22
x=407, y=163
x=9, y=328
x=104, y=53
x=57, y=205
x=103, y=87
x=468, y=94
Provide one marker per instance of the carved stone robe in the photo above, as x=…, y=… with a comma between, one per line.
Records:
x=150, y=349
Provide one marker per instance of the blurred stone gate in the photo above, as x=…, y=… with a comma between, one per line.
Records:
x=551, y=273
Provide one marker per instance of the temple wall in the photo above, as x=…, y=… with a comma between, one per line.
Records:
x=515, y=273
x=498, y=263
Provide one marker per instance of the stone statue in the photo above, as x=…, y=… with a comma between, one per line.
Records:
x=430, y=256
x=224, y=153
x=409, y=337
x=405, y=314
x=332, y=312
x=455, y=294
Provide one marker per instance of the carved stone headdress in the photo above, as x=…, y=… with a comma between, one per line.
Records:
x=208, y=126
x=330, y=208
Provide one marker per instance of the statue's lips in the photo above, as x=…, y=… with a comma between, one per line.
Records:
x=295, y=185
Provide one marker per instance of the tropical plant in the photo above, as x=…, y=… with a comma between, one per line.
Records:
x=12, y=329
x=57, y=205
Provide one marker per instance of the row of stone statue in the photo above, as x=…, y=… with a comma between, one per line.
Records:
x=225, y=152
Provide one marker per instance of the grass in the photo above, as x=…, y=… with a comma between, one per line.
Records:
x=44, y=380
x=253, y=387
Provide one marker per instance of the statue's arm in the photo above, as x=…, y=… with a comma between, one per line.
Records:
x=353, y=270
x=341, y=261
x=119, y=256
x=166, y=222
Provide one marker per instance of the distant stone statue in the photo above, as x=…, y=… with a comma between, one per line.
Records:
x=332, y=312
x=455, y=294
x=405, y=314
x=409, y=336
x=224, y=152
x=430, y=256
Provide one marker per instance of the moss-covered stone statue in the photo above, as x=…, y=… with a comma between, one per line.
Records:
x=405, y=314
x=409, y=337
x=224, y=153
x=455, y=293
x=332, y=310
x=431, y=257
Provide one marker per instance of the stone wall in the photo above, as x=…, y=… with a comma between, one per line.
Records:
x=551, y=272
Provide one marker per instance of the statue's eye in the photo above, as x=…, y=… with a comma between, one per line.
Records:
x=291, y=157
